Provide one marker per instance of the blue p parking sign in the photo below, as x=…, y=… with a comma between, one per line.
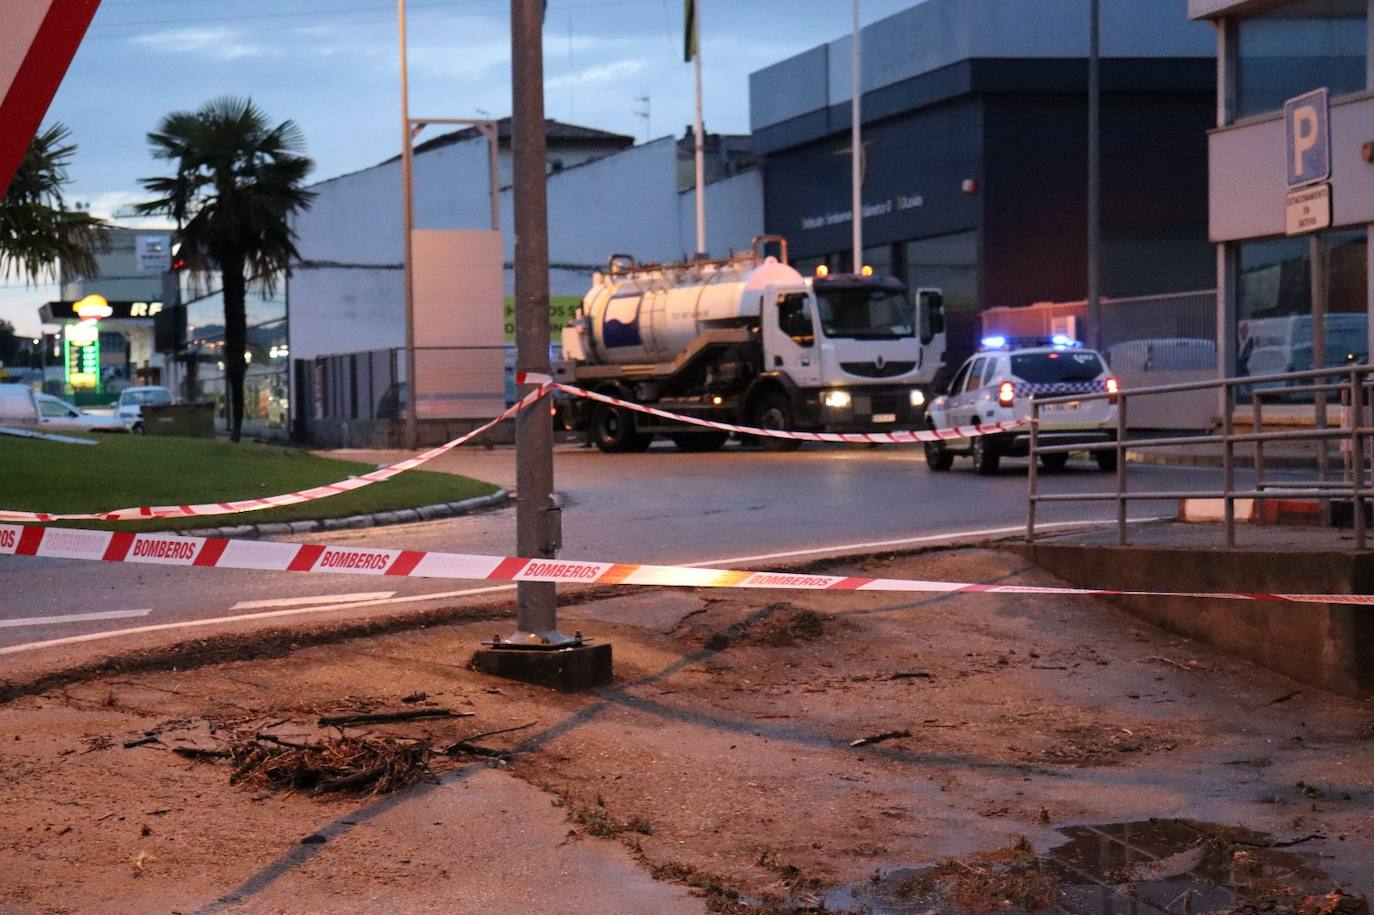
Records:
x=1307, y=122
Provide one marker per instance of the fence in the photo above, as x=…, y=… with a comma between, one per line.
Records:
x=359, y=399
x=1352, y=385
x=1148, y=341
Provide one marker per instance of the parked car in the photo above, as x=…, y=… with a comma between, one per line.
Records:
x=997, y=385
x=17, y=405
x=57, y=414
x=1270, y=346
x=129, y=407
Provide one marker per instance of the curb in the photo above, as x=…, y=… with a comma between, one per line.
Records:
x=1276, y=462
x=377, y=519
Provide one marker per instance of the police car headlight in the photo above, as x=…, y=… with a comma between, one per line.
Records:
x=837, y=400
x=918, y=397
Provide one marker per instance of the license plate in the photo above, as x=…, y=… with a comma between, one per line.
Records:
x=1062, y=407
x=884, y=417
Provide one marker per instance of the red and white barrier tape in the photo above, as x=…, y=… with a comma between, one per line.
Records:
x=151, y=512
x=854, y=438
x=545, y=385
x=202, y=552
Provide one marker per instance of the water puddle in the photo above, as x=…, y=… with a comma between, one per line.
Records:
x=1151, y=867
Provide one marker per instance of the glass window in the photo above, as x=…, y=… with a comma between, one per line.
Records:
x=975, y=375
x=794, y=319
x=948, y=263
x=957, y=385
x=55, y=408
x=989, y=371
x=866, y=312
x=1274, y=303
x=1297, y=48
x=1047, y=368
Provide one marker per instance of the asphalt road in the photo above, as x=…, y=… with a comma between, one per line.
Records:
x=664, y=507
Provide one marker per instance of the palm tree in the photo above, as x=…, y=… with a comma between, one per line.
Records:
x=237, y=181
x=36, y=228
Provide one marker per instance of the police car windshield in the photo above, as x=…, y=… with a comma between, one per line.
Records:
x=1066, y=365
x=866, y=313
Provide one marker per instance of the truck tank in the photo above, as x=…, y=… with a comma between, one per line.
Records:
x=635, y=315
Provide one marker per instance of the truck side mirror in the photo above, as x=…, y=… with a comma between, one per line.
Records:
x=930, y=314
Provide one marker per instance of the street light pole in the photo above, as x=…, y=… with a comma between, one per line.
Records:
x=1094, y=307
x=856, y=146
x=408, y=232
x=537, y=518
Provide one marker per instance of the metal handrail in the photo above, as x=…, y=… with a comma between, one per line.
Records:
x=1355, y=385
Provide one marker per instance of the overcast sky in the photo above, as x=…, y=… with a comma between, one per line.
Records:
x=331, y=65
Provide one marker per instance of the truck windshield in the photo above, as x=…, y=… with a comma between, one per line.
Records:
x=866, y=313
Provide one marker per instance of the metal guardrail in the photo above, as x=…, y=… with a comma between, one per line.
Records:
x=1352, y=384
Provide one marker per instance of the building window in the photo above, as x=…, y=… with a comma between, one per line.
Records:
x=1274, y=303
x=1299, y=47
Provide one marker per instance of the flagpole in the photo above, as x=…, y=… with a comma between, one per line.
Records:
x=856, y=147
x=700, y=139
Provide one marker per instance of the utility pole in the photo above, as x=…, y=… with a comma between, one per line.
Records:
x=408, y=232
x=700, y=154
x=537, y=518
x=1094, y=176
x=537, y=652
x=856, y=145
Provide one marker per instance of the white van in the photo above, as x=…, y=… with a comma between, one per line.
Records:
x=18, y=406
x=1271, y=346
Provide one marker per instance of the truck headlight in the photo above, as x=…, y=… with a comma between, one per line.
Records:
x=836, y=400
x=918, y=397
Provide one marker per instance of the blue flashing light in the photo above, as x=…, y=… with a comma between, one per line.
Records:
x=1064, y=340
x=995, y=342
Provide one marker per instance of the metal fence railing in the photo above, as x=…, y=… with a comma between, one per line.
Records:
x=1352, y=386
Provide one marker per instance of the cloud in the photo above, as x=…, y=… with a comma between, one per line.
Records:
x=221, y=43
x=601, y=73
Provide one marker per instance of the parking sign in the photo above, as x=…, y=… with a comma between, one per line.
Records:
x=1307, y=123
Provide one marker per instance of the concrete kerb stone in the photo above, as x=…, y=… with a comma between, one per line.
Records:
x=377, y=519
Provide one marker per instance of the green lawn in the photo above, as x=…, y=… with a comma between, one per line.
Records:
x=132, y=470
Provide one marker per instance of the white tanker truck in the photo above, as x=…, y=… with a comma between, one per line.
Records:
x=749, y=340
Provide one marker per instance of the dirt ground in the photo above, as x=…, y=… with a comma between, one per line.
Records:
x=723, y=762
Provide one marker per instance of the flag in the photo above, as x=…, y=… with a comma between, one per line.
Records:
x=689, y=35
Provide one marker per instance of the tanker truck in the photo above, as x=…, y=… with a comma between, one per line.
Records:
x=748, y=340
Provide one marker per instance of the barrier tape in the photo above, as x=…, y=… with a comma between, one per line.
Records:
x=152, y=512
x=545, y=385
x=853, y=438
x=209, y=552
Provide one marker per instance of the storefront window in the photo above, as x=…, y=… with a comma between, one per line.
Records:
x=1299, y=47
x=1274, y=303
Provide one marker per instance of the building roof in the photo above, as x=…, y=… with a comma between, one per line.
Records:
x=556, y=133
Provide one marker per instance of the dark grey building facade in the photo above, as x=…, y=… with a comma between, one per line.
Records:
x=975, y=151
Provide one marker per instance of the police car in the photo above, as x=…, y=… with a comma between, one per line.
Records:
x=997, y=384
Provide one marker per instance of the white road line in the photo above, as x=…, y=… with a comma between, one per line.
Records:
x=73, y=618
x=496, y=589
x=305, y=601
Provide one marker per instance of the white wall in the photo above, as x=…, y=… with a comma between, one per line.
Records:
x=346, y=297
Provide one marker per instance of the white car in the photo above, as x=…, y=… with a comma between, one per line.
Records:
x=129, y=408
x=57, y=414
x=997, y=385
x=17, y=406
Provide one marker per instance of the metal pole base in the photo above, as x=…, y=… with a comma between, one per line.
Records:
x=572, y=668
x=543, y=640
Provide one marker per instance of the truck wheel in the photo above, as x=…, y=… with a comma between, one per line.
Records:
x=938, y=457
x=774, y=411
x=698, y=442
x=986, y=460
x=1106, y=460
x=1054, y=463
x=613, y=430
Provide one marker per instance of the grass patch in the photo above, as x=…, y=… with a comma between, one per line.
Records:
x=130, y=470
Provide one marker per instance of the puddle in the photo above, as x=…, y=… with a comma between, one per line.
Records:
x=1151, y=867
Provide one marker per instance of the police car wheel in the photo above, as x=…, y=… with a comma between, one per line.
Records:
x=986, y=460
x=1053, y=463
x=1106, y=460
x=938, y=457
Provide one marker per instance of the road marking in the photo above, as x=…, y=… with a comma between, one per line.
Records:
x=496, y=589
x=305, y=601
x=73, y=618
